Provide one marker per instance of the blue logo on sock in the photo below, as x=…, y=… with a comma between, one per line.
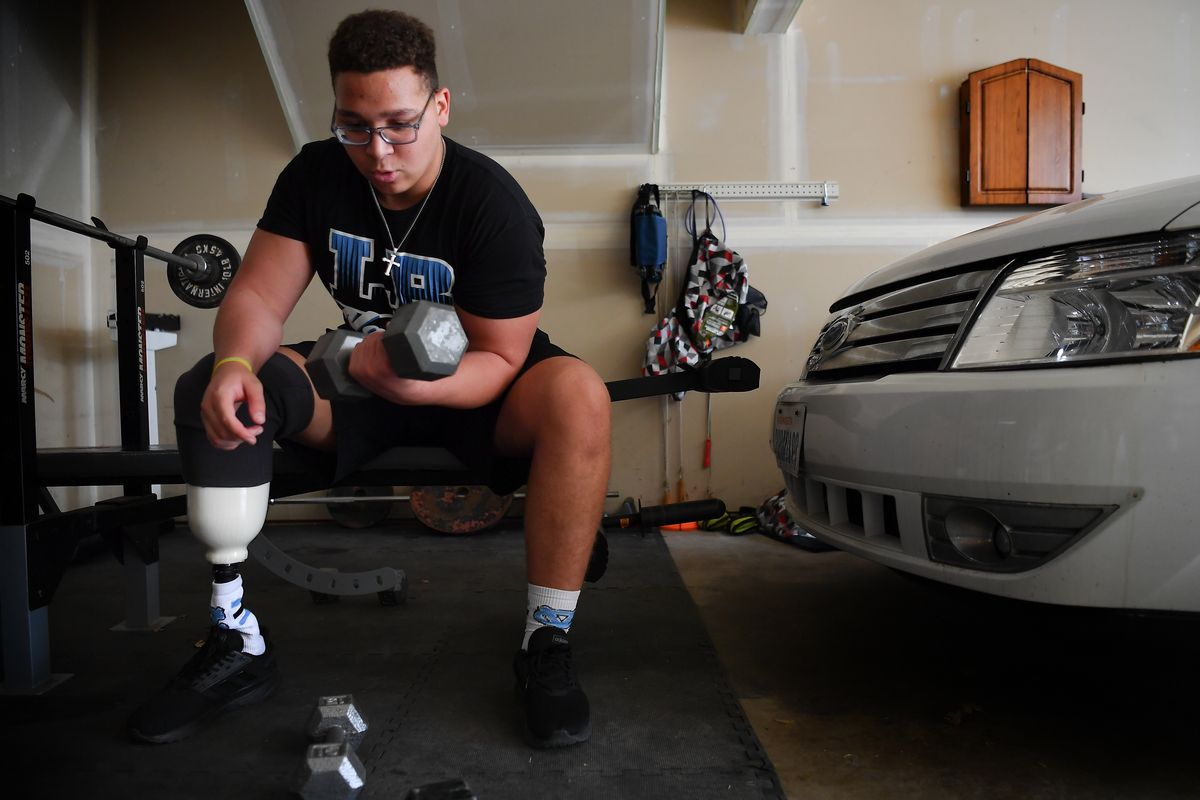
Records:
x=218, y=615
x=554, y=617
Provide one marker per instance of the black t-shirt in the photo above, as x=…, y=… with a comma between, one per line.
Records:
x=477, y=243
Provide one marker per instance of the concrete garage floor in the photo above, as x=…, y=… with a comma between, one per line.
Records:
x=863, y=683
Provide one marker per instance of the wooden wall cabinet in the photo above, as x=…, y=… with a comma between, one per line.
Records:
x=1020, y=134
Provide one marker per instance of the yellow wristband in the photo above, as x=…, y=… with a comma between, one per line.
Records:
x=236, y=360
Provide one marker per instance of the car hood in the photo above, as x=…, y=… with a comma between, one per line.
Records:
x=1130, y=211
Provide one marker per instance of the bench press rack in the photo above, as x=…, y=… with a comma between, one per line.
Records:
x=38, y=540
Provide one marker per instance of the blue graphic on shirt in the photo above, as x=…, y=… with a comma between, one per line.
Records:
x=366, y=321
x=554, y=617
x=350, y=256
x=422, y=278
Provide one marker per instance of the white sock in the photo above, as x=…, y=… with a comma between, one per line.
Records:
x=547, y=606
x=228, y=612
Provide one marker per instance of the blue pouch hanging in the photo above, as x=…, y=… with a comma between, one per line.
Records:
x=648, y=242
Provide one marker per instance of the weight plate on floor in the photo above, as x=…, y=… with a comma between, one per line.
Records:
x=364, y=513
x=206, y=290
x=458, y=509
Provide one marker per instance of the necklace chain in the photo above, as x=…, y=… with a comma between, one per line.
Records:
x=393, y=253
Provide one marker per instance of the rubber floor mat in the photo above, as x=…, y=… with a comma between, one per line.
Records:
x=433, y=676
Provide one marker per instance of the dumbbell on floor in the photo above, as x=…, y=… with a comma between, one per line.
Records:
x=332, y=769
x=424, y=341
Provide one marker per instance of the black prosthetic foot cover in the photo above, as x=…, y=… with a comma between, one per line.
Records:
x=218, y=678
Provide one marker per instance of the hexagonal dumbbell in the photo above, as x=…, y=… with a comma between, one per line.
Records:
x=332, y=769
x=328, y=365
x=424, y=341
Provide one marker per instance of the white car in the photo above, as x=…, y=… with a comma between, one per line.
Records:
x=1008, y=411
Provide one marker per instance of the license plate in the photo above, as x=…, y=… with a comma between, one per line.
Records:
x=787, y=439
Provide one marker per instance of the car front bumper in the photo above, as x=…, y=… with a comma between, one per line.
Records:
x=877, y=458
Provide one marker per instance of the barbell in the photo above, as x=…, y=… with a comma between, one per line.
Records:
x=445, y=509
x=199, y=269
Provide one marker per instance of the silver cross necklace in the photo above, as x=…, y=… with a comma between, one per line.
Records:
x=391, y=256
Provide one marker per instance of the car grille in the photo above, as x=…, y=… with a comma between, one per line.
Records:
x=897, y=328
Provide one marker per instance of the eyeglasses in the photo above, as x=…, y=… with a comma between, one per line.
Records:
x=404, y=133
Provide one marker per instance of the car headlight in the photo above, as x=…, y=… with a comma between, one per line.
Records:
x=1104, y=300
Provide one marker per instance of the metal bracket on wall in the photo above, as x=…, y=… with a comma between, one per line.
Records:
x=824, y=191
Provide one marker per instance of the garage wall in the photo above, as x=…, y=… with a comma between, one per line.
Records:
x=46, y=124
x=190, y=136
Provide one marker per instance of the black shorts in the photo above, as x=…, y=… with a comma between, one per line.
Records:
x=365, y=428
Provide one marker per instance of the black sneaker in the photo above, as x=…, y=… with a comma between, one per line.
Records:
x=217, y=678
x=556, y=709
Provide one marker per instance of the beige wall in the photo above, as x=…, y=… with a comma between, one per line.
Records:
x=861, y=92
x=189, y=132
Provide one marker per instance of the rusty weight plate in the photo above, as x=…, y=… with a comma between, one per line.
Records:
x=458, y=509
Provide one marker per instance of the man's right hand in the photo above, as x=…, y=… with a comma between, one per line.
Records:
x=231, y=386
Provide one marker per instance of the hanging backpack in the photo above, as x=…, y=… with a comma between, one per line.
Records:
x=717, y=307
x=648, y=242
x=717, y=287
x=669, y=349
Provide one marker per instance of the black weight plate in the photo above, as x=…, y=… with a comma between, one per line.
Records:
x=209, y=290
x=362, y=514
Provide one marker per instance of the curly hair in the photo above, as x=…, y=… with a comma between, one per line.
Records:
x=375, y=40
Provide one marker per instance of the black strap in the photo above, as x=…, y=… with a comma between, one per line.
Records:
x=698, y=241
x=650, y=298
x=691, y=225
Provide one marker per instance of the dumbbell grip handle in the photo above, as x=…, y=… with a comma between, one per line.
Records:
x=344, y=356
x=342, y=359
x=334, y=735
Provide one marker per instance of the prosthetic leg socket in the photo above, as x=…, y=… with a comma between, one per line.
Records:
x=227, y=518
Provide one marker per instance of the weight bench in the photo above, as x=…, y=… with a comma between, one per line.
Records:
x=38, y=540
x=135, y=522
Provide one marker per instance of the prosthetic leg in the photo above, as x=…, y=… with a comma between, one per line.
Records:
x=228, y=494
x=226, y=519
x=236, y=665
